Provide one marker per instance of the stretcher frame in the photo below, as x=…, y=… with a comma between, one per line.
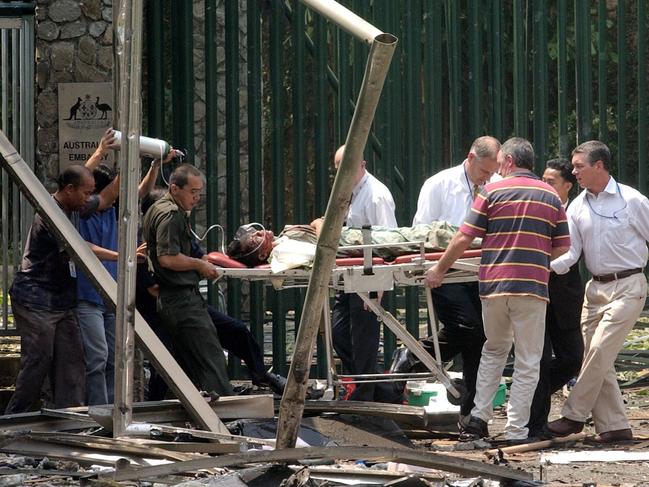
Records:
x=364, y=280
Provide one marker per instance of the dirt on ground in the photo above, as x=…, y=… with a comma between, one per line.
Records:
x=583, y=473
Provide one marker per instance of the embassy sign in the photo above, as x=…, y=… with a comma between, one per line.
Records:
x=85, y=112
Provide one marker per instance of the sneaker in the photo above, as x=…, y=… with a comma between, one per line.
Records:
x=474, y=430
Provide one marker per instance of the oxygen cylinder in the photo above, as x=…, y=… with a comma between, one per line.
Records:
x=149, y=147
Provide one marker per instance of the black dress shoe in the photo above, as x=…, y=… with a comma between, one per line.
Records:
x=274, y=382
x=564, y=427
x=403, y=361
x=474, y=430
x=615, y=436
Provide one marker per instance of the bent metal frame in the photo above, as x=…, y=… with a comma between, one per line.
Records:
x=127, y=26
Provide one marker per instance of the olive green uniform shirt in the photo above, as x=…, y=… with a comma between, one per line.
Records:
x=166, y=231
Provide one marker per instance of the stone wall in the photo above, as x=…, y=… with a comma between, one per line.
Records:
x=73, y=44
x=200, y=106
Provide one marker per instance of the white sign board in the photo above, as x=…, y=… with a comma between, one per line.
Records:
x=85, y=112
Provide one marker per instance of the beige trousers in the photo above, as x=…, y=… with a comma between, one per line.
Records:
x=519, y=320
x=609, y=313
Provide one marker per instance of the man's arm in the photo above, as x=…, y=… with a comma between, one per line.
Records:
x=428, y=203
x=182, y=262
x=562, y=263
x=107, y=142
x=558, y=251
x=102, y=253
x=109, y=194
x=149, y=179
x=460, y=242
x=383, y=212
x=317, y=225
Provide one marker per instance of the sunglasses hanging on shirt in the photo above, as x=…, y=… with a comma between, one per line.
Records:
x=614, y=215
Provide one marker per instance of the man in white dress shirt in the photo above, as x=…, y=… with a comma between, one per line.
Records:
x=448, y=196
x=356, y=329
x=609, y=223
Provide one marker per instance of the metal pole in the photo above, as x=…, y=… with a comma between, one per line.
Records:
x=255, y=166
x=292, y=405
x=276, y=80
x=643, y=122
x=4, y=123
x=128, y=38
x=621, y=91
x=345, y=18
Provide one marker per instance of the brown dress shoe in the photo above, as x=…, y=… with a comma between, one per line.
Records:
x=615, y=436
x=564, y=427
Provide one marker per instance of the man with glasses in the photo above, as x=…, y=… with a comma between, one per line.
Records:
x=609, y=223
x=182, y=309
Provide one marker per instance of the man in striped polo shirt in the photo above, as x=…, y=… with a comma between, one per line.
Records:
x=523, y=226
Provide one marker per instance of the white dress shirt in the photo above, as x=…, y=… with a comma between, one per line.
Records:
x=610, y=228
x=372, y=204
x=446, y=196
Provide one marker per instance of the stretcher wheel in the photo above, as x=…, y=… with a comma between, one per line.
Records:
x=459, y=385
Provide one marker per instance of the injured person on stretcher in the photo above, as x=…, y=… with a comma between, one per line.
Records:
x=253, y=245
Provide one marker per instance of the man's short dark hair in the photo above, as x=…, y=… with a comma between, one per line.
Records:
x=521, y=151
x=181, y=174
x=104, y=175
x=564, y=166
x=595, y=151
x=147, y=201
x=73, y=175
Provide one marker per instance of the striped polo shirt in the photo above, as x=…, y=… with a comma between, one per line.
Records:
x=520, y=219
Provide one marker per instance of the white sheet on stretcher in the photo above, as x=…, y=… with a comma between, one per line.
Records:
x=289, y=254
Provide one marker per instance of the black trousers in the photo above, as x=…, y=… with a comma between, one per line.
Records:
x=50, y=345
x=183, y=313
x=459, y=309
x=356, y=334
x=234, y=335
x=564, y=346
x=237, y=339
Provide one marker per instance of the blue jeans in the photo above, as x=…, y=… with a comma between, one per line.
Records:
x=98, y=335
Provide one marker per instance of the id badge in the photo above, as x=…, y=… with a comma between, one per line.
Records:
x=73, y=269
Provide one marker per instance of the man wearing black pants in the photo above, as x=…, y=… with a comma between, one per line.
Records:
x=447, y=196
x=355, y=329
x=233, y=334
x=564, y=345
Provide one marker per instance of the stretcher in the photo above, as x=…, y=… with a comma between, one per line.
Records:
x=367, y=276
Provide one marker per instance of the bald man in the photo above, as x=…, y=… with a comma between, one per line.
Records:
x=355, y=329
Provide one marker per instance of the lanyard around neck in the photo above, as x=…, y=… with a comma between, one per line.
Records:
x=614, y=216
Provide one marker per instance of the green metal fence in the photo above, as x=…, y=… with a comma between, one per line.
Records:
x=556, y=72
x=16, y=122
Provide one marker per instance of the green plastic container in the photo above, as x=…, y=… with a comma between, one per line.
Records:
x=501, y=396
x=420, y=398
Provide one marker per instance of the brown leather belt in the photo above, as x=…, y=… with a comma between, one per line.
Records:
x=617, y=275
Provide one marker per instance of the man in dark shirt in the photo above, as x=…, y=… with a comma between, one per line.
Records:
x=181, y=307
x=564, y=347
x=43, y=298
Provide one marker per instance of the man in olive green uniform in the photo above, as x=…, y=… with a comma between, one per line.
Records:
x=181, y=307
